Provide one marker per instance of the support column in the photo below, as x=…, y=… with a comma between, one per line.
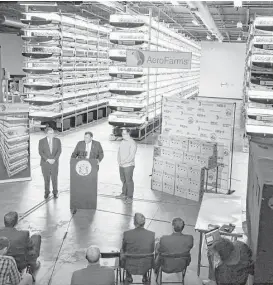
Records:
x=1, y=78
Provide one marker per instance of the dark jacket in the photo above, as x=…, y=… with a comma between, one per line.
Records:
x=93, y=275
x=20, y=245
x=95, y=153
x=175, y=243
x=236, y=274
x=45, y=153
x=138, y=241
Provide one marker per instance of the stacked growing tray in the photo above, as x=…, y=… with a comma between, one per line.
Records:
x=66, y=65
x=137, y=91
x=259, y=78
x=14, y=138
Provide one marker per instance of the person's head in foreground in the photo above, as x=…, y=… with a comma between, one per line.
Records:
x=139, y=220
x=178, y=225
x=126, y=134
x=93, y=254
x=49, y=132
x=88, y=136
x=227, y=251
x=11, y=219
x=4, y=245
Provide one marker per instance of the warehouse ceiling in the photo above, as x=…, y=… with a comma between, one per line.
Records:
x=232, y=23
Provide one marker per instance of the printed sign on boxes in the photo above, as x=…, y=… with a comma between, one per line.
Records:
x=156, y=185
x=163, y=141
x=159, y=164
x=180, y=191
x=181, y=170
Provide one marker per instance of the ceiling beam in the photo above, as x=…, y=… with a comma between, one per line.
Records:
x=220, y=13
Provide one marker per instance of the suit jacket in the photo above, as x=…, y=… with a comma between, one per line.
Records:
x=20, y=245
x=45, y=153
x=95, y=153
x=93, y=275
x=176, y=243
x=137, y=241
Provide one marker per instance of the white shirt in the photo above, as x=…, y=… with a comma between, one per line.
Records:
x=88, y=147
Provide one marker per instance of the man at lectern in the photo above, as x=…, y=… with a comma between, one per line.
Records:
x=88, y=148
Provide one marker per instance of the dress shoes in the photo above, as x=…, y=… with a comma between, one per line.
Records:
x=56, y=196
x=46, y=196
x=129, y=279
x=208, y=282
x=145, y=279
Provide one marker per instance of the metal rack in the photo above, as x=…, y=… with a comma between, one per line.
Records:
x=142, y=113
x=258, y=85
x=75, y=91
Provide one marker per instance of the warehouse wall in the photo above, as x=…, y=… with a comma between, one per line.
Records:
x=222, y=69
x=12, y=59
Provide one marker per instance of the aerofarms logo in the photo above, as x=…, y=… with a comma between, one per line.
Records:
x=137, y=57
x=159, y=59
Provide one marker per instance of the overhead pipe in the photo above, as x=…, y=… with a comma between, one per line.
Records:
x=200, y=9
x=5, y=21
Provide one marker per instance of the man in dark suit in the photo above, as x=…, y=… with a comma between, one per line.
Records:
x=24, y=249
x=137, y=241
x=177, y=242
x=93, y=274
x=50, y=149
x=88, y=148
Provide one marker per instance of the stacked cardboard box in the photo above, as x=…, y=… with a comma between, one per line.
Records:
x=203, y=120
x=179, y=165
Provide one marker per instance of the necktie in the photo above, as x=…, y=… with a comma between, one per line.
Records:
x=50, y=145
x=87, y=150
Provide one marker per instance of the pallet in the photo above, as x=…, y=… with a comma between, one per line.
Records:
x=137, y=133
x=74, y=121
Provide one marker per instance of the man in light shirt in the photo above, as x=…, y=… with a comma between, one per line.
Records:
x=9, y=273
x=126, y=161
x=89, y=149
x=50, y=149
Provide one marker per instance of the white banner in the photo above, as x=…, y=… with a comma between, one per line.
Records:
x=159, y=59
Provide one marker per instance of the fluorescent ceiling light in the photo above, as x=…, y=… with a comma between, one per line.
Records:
x=175, y=3
x=239, y=25
x=195, y=22
x=238, y=3
x=44, y=4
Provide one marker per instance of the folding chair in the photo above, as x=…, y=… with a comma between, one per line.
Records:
x=138, y=264
x=172, y=263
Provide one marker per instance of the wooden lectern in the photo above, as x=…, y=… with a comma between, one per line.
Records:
x=83, y=183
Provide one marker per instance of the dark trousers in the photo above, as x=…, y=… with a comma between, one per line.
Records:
x=34, y=253
x=30, y=257
x=211, y=266
x=126, y=177
x=50, y=171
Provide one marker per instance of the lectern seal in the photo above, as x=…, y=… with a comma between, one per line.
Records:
x=83, y=167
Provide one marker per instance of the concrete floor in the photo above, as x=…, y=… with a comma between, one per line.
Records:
x=105, y=226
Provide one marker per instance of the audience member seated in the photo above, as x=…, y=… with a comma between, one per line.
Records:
x=229, y=263
x=137, y=241
x=93, y=274
x=23, y=248
x=9, y=273
x=177, y=242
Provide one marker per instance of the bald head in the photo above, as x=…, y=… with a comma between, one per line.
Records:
x=93, y=254
x=139, y=220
